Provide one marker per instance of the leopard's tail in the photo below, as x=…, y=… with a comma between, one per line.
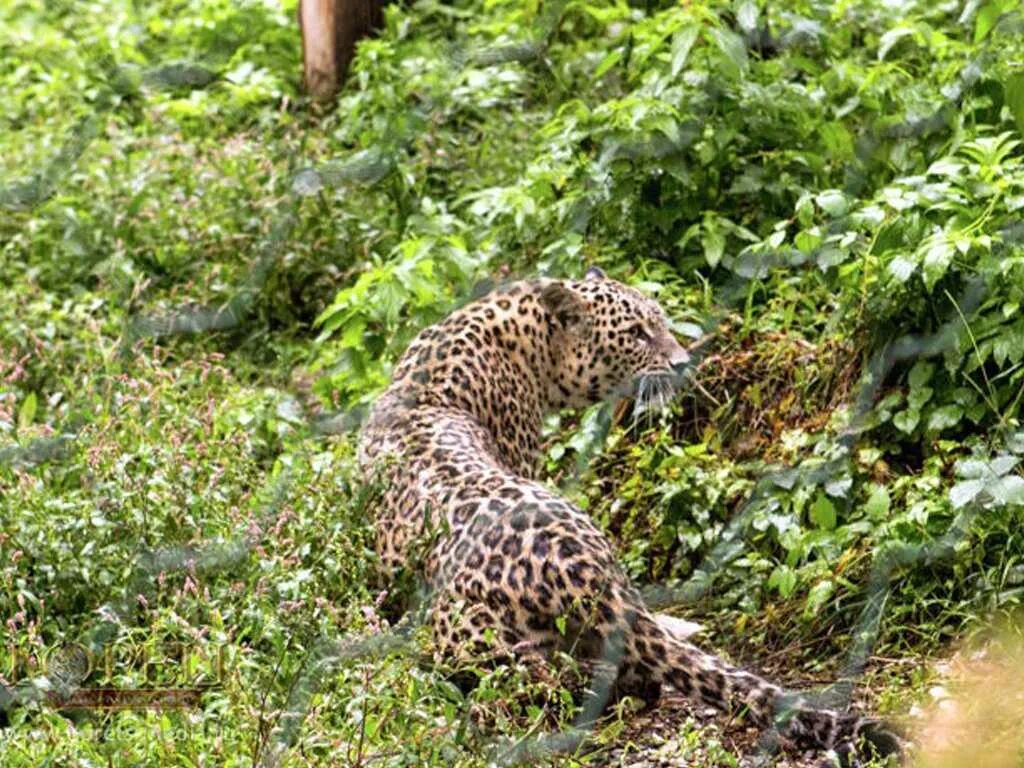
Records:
x=711, y=681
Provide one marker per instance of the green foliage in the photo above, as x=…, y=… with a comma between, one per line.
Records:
x=197, y=262
x=373, y=318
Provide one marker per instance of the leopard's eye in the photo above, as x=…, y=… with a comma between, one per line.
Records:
x=639, y=332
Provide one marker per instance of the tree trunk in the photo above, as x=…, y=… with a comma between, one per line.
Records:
x=330, y=31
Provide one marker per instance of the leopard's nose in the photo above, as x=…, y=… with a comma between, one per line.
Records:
x=679, y=357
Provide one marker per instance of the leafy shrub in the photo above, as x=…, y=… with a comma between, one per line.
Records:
x=196, y=262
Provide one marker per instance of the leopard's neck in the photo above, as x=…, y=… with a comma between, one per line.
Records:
x=492, y=360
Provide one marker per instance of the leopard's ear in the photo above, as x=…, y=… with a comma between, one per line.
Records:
x=594, y=273
x=563, y=304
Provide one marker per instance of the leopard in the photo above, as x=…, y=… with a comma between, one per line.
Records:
x=514, y=570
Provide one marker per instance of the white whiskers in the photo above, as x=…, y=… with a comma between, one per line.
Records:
x=654, y=391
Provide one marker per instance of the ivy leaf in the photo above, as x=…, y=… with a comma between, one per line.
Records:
x=1008, y=490
x=918, y=397
x=906, y=421
x=945, y=417
x=1001, y=465
x=962, y=494
x=920, y=374
x=972, y=469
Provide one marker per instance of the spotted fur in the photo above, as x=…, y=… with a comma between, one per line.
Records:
x=514, y=569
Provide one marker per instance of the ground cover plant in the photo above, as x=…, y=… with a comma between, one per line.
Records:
x=206, y=278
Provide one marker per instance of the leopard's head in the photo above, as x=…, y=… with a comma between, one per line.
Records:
x=609, y=340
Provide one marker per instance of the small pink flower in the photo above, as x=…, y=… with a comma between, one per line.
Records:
x=190, y=587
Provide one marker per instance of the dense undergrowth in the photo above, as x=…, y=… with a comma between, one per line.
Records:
x=205, y=278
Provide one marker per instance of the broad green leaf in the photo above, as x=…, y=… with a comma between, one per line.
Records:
x=1002, y=347
x=682, y=43
x=965, y=492
x=972, y=469
x=906, y=421
x=877, y=505
x=734, y=50
x=833, y=202
x=690, y=330
x=807, y=240
x=987, y=17
x=945, y=417
x=27, y=411
x=1001, y=465
x=837, y=139
x=981, y=468
x=890, y=38
x=746, y=16
x=1014, y=94
x=823, y=512
x=352, y=337
x=827, y=258
x=560, y=624
x=782, y=580
x=920, y=374
x=936, y=261
x=786, y=478
x=839, y=488
x=919, y=396
x=902, y=268
x=898, y=198
x=818, y=596
x=1008, y=490
x=714, y=243
x=946, y=167
x=805, y=209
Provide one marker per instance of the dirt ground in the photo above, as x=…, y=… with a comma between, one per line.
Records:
x=663, y=737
